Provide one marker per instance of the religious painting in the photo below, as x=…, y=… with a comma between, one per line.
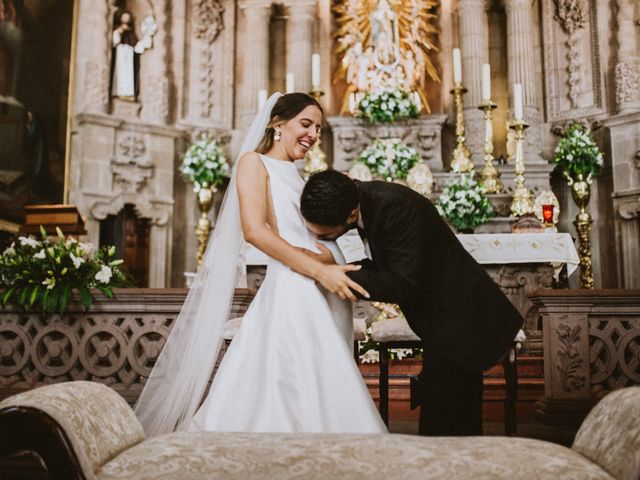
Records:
x=35, y=50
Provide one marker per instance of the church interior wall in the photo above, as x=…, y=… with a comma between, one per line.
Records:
x=195, y=79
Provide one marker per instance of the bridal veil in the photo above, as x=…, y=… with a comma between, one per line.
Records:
x=178, y=381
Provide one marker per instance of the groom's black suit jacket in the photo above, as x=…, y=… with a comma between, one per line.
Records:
x=447, y=297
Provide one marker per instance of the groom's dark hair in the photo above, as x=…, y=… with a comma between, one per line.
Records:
x=328, y=198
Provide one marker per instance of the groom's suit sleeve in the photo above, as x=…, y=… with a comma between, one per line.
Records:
x=402, y=237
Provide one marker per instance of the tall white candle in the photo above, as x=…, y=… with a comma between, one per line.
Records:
x=262, y=98
x=517, y=101
x=457, y=67
x=315, y=71
x=486, y=82
x=290, y=83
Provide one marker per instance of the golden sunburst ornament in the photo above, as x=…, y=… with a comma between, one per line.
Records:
x=385, y=43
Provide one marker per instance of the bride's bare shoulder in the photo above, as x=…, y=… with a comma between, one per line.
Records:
x=250, y=165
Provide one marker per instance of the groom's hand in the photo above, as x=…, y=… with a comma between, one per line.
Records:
x=334, y=279
x=325, y=256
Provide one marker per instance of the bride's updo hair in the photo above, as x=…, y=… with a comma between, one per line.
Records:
x=287, y=107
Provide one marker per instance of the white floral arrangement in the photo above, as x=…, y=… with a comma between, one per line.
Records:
x=42, y=274
x=464, y=204
x=369, y=351
x=387, y=105
x=577, y=153
x=205, y=164
x=389, y=158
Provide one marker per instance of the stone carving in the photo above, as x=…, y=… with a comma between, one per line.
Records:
x=96, y=87
x=351, y=136
x=157, y=212
x=569, y=360
x=208, y=23
x=614, y=351
x=131, y=147
x=574, y=36
x=630, y=210
x=572, y=15
x=208, y=19
x=131, y=167
x=628, y=81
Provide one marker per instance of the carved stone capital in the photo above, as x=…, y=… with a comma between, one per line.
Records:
x=630, y=210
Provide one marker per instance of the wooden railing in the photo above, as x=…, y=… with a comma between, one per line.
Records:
x=591, y=344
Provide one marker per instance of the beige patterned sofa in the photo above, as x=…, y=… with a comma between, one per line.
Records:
x=84, y=430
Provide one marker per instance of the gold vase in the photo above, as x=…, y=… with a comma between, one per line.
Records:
x=204, y=195
x=581, y=193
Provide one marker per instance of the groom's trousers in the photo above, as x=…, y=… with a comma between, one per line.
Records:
x=450, y=397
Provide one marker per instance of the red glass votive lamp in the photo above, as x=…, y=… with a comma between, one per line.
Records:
x=547, y=215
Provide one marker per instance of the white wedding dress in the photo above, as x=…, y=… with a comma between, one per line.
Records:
x=290, y=366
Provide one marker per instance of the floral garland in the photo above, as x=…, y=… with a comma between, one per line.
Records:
x=205, y=164
x=577, y=153
x=387, y=105
x=43, y=273
x=464, y=204
x=389, y=158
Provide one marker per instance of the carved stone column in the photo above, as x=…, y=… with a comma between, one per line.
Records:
x=628, y=66
x=300, y=24
x=253, y=57
x=473, y=47
x=521, y=53
x=94, y=47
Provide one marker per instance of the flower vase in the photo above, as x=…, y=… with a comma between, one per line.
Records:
x=581, y=193
x=204, y=196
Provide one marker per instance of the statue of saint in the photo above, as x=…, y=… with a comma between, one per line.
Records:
x=126, y=49
x=385, y=39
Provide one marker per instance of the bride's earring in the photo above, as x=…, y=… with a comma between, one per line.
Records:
x=277, y=135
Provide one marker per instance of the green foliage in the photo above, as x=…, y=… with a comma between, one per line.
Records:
x=578, y=153
x=205, y=164
x=42, y=274
x=387, y=105
x=464, y=204
x=389, y=158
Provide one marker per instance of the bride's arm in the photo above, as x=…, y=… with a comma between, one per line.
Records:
x=252, y=180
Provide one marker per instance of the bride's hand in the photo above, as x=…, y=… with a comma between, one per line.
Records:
x=335, y=279
x=325, y=256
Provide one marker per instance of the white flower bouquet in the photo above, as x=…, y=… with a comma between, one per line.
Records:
x=42, y=274
x=389, y=158
x=464, y=204
x=577, y=153
x=387, y=105
x=369, y=351
x=205, y=164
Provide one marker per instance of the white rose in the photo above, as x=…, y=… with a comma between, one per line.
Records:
x=104, y=275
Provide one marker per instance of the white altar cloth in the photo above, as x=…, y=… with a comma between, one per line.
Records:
x=487, y=248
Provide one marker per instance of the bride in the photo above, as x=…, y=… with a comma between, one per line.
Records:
x=290, y=367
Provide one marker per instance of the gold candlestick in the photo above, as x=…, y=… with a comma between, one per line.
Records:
x=461, y=157
x=490, y=176
x=522, y=203
x=316, y=159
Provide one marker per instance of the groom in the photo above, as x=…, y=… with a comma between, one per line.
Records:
x=465, y=322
